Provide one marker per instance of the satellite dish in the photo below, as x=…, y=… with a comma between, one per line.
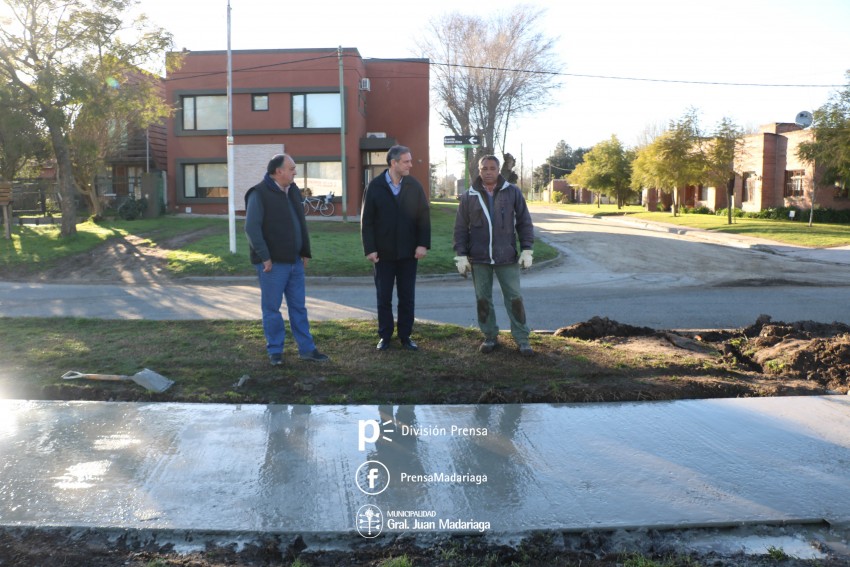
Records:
x=804, y=119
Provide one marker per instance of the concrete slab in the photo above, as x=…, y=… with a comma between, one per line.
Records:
x=493, y=469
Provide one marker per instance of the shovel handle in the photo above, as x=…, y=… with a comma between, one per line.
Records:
x=72, y=374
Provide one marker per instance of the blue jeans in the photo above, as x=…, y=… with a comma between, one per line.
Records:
x=284, y=280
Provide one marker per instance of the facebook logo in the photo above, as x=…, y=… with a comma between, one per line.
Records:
x=372, y=477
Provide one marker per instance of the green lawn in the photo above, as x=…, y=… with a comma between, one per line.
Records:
x=820, y=235
x=336, y=246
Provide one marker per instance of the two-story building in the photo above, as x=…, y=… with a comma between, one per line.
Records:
x=293, y=101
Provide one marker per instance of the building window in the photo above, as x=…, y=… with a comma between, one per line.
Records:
x=320, y=177
x=375, y=158
x=260, y=102
x=205, y=112
x=748, y=186
x=205, y=180
x=315, y=110
x=842, y=190
x=794, y=182
x=702, y=193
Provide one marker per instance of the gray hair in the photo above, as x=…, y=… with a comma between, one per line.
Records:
x=395, y=152
x=488, y=158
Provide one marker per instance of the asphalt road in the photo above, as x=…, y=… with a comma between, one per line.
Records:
x=641, y=274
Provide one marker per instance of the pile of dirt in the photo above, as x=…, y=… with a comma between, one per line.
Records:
x=803, y=350
x=601, y=327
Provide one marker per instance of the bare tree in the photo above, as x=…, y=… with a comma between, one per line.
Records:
x=487, y=71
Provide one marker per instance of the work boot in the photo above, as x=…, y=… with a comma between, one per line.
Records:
x=488, y=346
x=314, y=356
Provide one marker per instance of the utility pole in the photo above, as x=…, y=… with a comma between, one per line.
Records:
x=231, y=173
x=342, y=139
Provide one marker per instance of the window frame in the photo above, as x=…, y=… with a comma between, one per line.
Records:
x=304, y=107
x=194, y=112
x=748, y=186
x=795, y=183
x=301, y=177
x=185, y=198
x=255, y=98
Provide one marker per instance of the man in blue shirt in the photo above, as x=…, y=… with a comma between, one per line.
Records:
x=395, y=226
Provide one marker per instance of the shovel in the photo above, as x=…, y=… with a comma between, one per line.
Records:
x=147, y=378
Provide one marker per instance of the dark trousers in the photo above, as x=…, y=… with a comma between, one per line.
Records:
x=402, y=274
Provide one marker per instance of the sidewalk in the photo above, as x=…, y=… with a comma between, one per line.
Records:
x=339, y=475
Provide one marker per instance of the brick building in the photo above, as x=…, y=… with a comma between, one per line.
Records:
x=289, y=100
x=770, y=175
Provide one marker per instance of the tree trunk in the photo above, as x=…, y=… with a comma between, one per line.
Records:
x=65, y=177
x=94, y=203
x=730, y=196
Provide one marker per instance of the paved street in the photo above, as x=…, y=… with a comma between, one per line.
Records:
x=636, y=273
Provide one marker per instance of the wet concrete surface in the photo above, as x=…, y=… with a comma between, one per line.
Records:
x=367, y=470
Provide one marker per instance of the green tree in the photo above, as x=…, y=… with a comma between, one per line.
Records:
x=606, y=169
x=673, y=160
x=720, y=153
x=58, y=53
x=21, y=139
x=487, y=71
x=563, y=160
x=829, y=148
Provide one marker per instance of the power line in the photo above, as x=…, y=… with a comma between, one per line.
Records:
x=643, y=79
x=528, y=71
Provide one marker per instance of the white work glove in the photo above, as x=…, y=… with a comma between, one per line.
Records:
x=525, y=259
x=463, y=265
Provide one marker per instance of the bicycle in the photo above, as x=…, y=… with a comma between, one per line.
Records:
x=322, y=205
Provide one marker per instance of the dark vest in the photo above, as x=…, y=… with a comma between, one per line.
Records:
x=283, y=215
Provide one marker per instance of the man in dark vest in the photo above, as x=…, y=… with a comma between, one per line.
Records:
x=280, y=250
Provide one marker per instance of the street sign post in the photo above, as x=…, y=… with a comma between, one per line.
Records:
x=463, y=142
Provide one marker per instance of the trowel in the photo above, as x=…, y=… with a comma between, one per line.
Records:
x=147, y=378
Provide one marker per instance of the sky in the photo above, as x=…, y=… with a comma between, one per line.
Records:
x=675, y=47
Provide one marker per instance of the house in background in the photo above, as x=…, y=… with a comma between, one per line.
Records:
x=135, y=165
x=289, y=100
x=768, y=174
x=142, y=152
